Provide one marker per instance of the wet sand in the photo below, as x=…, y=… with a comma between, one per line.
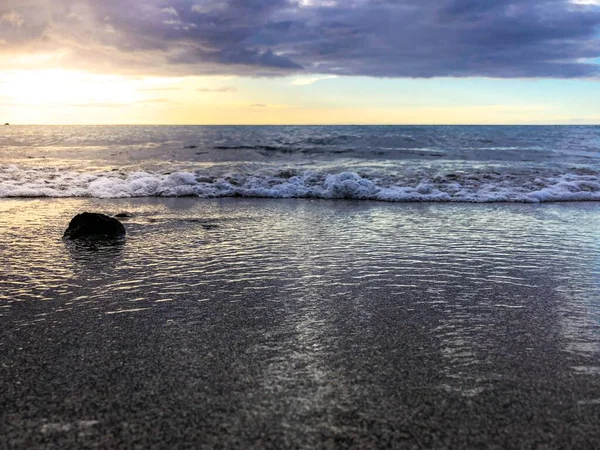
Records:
x=239, y=323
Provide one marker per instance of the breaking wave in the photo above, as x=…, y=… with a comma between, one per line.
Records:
x=474, y=186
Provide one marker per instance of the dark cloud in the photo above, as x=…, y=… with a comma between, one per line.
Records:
x=382, y=38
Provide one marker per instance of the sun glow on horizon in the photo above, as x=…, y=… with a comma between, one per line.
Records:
x=65, y=88
x=58, y=96
x=66, y=97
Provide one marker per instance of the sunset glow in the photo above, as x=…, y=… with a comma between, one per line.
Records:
x=299, y=62
x=66, y=88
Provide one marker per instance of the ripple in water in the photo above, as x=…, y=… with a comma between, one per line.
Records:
x=325, y=304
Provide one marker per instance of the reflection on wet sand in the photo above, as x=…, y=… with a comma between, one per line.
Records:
x=306, y=323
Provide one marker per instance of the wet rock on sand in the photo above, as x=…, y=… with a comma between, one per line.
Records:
x=94, y=225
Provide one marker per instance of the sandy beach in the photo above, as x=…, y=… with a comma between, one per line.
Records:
x=256, y=323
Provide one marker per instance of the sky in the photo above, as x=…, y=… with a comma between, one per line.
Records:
x=300, y=61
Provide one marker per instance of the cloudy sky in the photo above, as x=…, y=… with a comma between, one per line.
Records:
x=300, y=61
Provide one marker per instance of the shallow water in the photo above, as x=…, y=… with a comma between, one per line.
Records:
x=294, y=323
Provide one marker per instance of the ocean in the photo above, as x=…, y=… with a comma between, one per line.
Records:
x=301, y=287
x=388, y=163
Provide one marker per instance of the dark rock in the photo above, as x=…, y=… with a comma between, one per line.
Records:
x=124, y=214
x=93, y=225
x=191, y=146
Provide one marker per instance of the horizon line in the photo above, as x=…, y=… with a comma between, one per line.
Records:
x=300, y=124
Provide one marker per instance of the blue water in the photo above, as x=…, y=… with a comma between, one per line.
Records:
x=390, y=163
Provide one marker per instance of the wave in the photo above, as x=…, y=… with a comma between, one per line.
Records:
x=269, y=148
x=475, y=186
x=282, y=149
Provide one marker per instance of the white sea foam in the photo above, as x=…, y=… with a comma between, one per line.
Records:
x=474, y=186
x=410, y=164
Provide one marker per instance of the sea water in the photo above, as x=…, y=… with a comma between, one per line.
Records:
x=299, y=322
x=389, y=163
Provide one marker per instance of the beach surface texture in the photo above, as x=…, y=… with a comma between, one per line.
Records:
x=249, y=323
x=301, y=287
